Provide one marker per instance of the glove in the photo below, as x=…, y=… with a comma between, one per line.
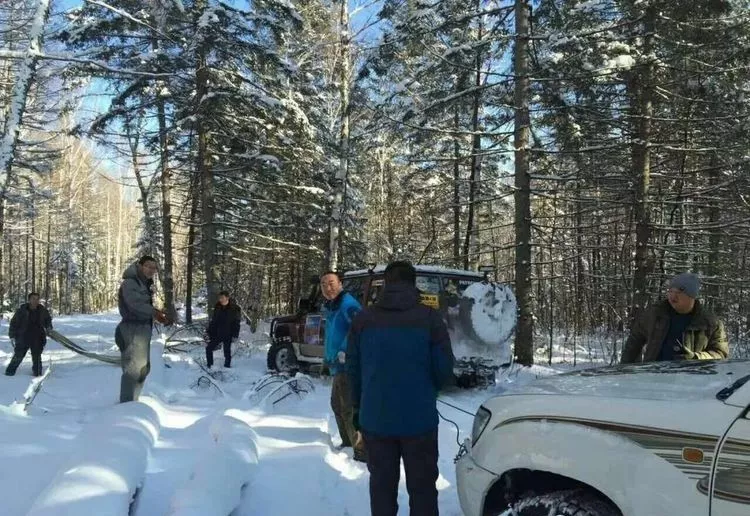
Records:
x=162, y=318
x=341, y=357
x=686, y=354
x=355, y=419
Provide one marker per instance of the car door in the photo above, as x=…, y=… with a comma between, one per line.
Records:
x=730, y=480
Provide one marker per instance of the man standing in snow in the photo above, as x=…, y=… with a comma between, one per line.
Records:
x=399, y=357
x=678, y=328
x=133, y=334
x=224, y=328
x=28, y=331
x=340, y=309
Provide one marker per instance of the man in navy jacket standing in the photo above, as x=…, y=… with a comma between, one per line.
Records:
x=399, y=357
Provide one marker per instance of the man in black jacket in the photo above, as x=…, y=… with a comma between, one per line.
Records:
x=28, y=331
x=224, y=328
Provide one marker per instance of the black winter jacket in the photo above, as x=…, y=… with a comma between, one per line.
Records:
x=19, y=324
x=225, y=322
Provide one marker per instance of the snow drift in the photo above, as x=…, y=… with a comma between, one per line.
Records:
x=226, y=466
x=106, y=466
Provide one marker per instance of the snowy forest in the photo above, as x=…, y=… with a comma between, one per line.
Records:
x=587, y=150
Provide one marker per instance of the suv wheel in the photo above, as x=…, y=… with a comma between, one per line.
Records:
x=577, y=502
x=281, y=358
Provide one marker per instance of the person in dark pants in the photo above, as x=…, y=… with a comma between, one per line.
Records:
x=133, y=334
x=398, y=359
x=28, y=331
x=224, y=329
x=340, y=309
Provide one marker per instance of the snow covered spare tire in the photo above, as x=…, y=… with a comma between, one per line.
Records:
x=576, y=502
x=488, y=313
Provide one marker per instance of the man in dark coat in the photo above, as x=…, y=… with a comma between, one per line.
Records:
x=133, y=334
x=678, y=328
x=28, y=331
x=398, y=359
x=224, y=328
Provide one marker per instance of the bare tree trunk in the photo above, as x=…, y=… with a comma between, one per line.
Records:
x=49, y=258
x=145, y=190
x=339, y=184
x=456, y=191
x=641, y=91
x=522, y=195
x=713, y=293
x=18, y=98
x=33, y=250
x=24, y=79
x=167, y=278
x=27, y=263
x=191, y=251
x=476, y=145
x=205, y=172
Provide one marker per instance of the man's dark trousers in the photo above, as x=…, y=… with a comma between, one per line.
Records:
x=23, y=345
x=213, y=346
x=420, y=455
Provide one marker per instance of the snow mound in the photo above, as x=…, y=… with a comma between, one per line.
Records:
x=493, y=312
x=106, y=466
x=218, y=477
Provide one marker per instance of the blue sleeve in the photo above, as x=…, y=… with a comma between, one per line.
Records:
x=350, y=311
x=441, y=352
x=354, y=365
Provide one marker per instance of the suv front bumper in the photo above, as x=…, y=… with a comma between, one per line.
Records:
x=473, y=482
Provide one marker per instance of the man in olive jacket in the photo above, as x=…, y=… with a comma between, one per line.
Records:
x=28, y=331
x=678, y=328
x=133, y=334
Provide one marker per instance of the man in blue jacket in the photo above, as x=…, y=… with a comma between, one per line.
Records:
x=399, y=357
x=340, y=309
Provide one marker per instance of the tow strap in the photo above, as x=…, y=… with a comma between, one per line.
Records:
x=67, y=343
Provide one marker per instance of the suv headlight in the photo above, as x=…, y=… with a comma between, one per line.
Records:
x=481, y=419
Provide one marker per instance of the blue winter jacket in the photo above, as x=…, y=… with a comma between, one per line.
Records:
x=339, y=314
x=399, y=357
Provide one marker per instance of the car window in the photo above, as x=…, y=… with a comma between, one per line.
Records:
x=453, y=289
x=356, y=286
x=376, y=287
x=428, y=284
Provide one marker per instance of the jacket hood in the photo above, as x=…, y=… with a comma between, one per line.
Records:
x=399, y=296
x=131, y=272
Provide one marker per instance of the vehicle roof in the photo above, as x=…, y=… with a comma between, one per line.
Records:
x=430, y=269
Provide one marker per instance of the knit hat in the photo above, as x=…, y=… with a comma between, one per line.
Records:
x=688, y=283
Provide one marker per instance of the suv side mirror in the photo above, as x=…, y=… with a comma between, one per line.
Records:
x=304, y=305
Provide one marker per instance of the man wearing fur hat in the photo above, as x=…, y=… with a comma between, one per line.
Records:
x=678, y=328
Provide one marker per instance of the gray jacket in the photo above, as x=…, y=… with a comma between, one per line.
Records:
x=134, y=297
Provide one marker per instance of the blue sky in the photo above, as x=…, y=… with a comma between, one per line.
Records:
x=96, y=99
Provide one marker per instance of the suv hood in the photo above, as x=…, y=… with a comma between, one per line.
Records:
x=653, y=381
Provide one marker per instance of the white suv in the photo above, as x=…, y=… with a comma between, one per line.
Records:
x=656, y=439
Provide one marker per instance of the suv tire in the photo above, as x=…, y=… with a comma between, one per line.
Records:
x=281, y=358
x=576, y=502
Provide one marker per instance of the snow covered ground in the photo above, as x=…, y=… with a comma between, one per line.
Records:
x=189, y=447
